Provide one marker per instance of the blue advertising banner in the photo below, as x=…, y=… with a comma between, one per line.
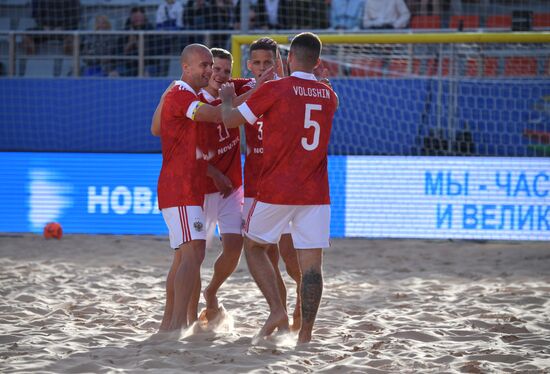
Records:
x=448, y=197
x=100, y=193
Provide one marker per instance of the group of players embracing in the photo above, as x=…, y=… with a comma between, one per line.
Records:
x=283, y=208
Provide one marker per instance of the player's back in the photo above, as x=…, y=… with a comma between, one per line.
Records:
x=296, y=134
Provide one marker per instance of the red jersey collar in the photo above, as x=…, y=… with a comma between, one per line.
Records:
x=186, y=86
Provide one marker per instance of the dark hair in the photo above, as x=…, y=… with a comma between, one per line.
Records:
x=221, y=53
x=307, y=48
x=266, y=44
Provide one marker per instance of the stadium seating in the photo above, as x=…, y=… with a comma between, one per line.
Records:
x=541, y=20
x=402, y=67
x=519, y=66
x=366, y=67
x=490, y=67
x=426, y=22
x=432, y=66
x=468, y=22
x=499, y=21
x=486, y=67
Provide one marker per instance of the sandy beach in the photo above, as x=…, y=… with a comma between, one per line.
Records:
x=93, y=304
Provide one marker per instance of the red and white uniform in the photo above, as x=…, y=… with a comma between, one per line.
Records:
x=223, y=147
x=224, y=154
x=183, y=174
x=297, y=113
x=254, y=150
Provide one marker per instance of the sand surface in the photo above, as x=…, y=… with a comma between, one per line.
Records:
x=94, y=303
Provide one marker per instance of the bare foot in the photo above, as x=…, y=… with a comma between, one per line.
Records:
x=210, y=298
x=304, y=338
x=275, y=321
x=209, y=315
x=296, y=320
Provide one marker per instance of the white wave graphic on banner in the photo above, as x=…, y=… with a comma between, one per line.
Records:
x=47, y=198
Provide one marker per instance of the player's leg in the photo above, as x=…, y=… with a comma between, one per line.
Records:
x=273, y=254
x=310, y=233
x=312, y=289
x=229, y=223
x=169, y=303
x=185, y=280
x=264, y=226
x=193, y=308
x=189, y=237
x=290, y=258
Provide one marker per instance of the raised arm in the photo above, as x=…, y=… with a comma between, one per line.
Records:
x=231, y=116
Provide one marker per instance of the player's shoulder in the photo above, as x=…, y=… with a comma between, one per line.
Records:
x=182, y=88
x=243, y=85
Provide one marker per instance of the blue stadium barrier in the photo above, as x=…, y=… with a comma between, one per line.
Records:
x=376, y=116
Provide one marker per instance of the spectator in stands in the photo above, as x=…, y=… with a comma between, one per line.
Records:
x=137, y=21
x=170, y=18
x=303, y=14
x=346, y=14
x=253, y=17
x=170, y=15
x=219, y=17
x=100, y=45
x=316, y=15
x=195, y=18
x=439, y=7
x=385, y=14
x=51, y=15
x=273, y=14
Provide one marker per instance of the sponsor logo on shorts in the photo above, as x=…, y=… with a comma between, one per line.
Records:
x=198, y=226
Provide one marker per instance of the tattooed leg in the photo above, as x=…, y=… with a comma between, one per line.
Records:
x=311, y=289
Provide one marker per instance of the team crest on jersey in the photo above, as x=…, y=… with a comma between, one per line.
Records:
x=198, y=225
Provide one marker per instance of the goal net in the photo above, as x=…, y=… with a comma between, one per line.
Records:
x=436, y=94
x=438, y=135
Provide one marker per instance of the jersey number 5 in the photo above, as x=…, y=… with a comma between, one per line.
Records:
x=308, y=122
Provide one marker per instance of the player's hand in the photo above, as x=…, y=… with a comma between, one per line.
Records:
x=267, y=75
x=227, y=92
x=322, y=74
x=223, y=184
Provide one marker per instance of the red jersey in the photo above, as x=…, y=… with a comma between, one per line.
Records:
x=297, y=120
x=183, y=173
x=223, y=147
x=254, y=150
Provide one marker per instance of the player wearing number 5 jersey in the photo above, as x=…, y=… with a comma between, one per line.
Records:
x=293, y=187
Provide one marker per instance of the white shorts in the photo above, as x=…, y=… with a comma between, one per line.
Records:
x=185, y=223
x=227, y=213
x=310, y=224
x=246, y=209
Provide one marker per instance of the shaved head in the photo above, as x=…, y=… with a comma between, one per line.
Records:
x=192, y=50
x=196, y=65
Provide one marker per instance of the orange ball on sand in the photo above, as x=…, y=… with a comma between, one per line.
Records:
x=53, y=230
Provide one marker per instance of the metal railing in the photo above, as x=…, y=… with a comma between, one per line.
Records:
x=16, y=52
